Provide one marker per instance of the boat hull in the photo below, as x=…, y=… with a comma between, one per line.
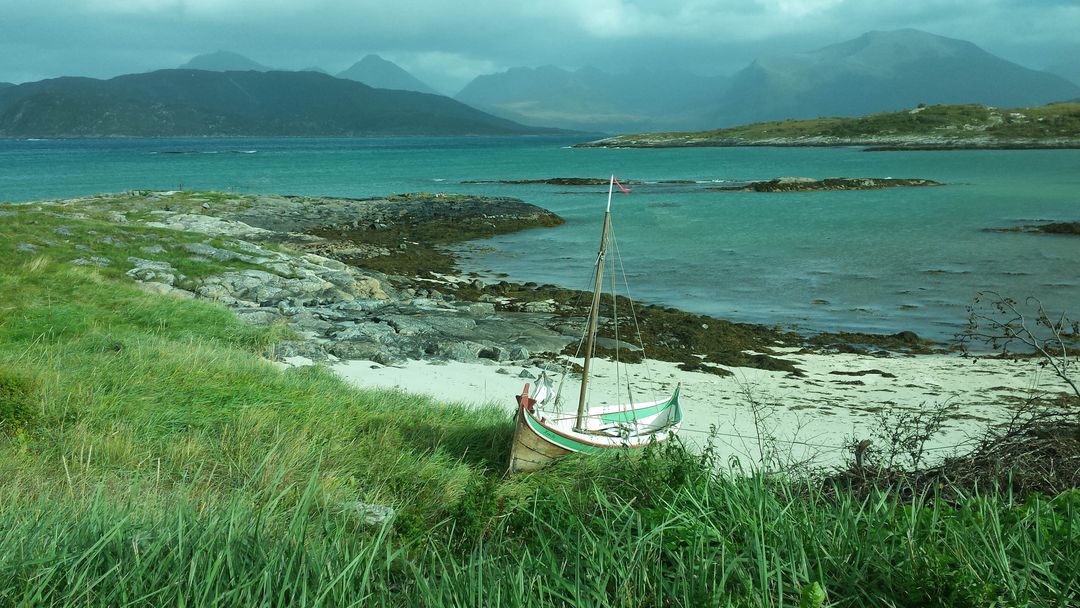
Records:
x=529, y=451
x=538, y=440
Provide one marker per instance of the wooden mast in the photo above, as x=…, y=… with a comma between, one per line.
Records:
x=594, y=312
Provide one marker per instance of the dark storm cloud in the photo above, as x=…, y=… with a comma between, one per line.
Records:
x=448, y=42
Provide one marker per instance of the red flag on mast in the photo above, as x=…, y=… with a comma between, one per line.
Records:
x=621, y=187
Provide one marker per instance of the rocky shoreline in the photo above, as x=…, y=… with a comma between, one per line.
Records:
x=368, y=279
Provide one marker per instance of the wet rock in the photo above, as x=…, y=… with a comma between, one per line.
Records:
x=365, y=351
x=371, y=333
x=166, y=290
x=214, y=291
x=97, y=261
x=518, y=353
x=152, y=275
x=494, y=353
x=306, y=321
x=459, y=351
x=477, y=308
x=300, y=348
x=907, y=337
x=526, y=374
x=205, y=224
x=258, y=316
x=541, y=306
x=215, y=253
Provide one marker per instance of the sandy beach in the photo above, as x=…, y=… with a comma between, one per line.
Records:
x=840, y=396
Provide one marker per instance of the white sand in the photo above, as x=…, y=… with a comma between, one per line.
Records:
x=810, y=417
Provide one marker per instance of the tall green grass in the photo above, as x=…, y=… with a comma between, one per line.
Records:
x=160, y=459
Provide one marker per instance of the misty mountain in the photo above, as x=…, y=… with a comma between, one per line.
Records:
x=1069, y=70
x=377, y=72
x=882, y=71
x=591, y=99
x=4, y=85
x=205, y=103
x=223, y=61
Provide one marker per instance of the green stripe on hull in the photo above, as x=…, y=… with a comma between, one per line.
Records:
x=559, y=440
x=632, y=415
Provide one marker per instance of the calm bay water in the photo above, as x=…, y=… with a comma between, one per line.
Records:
x=887, y=260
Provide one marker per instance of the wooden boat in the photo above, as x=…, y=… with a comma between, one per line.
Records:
x=542, y=433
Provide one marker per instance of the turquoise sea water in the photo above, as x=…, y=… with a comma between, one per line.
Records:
x=887, y=260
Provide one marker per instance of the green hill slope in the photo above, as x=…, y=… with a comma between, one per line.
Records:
x=934, y=127
x=204, y=103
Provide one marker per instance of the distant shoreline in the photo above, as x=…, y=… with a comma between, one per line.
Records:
x=867, y=146
x=924, y=128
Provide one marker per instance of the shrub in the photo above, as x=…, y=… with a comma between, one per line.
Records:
x=18, y=394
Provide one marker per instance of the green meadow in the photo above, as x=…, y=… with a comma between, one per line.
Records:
x=152, y=454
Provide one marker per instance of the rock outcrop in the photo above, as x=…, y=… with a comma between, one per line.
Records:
x=337, y=309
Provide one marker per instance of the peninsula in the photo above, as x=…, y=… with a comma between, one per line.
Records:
x=940, y=127
x=166, y=430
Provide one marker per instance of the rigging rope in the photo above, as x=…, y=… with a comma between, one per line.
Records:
x=633, y=315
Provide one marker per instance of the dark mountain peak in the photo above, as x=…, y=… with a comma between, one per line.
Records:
x=548, y=70
x=886, y=48
x=223, y=61
x=380, y=73
x=371, y=59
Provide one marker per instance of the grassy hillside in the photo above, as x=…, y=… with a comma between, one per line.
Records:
x=944, y=125
x=151, y=455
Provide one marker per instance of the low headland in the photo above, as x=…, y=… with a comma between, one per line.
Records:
x=938, y=127
x=201, y=401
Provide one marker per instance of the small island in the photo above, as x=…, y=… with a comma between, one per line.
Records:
x=939, y=127
x=1066, y=228
x=809, y=184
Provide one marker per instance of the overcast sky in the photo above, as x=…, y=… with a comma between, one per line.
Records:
x=448, y=42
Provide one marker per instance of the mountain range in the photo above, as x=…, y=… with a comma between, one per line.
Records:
x=589, y=98
x=208, y=103
x=876, y=72
x=882, y=71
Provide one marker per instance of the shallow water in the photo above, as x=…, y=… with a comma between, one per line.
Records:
x=886, y=260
